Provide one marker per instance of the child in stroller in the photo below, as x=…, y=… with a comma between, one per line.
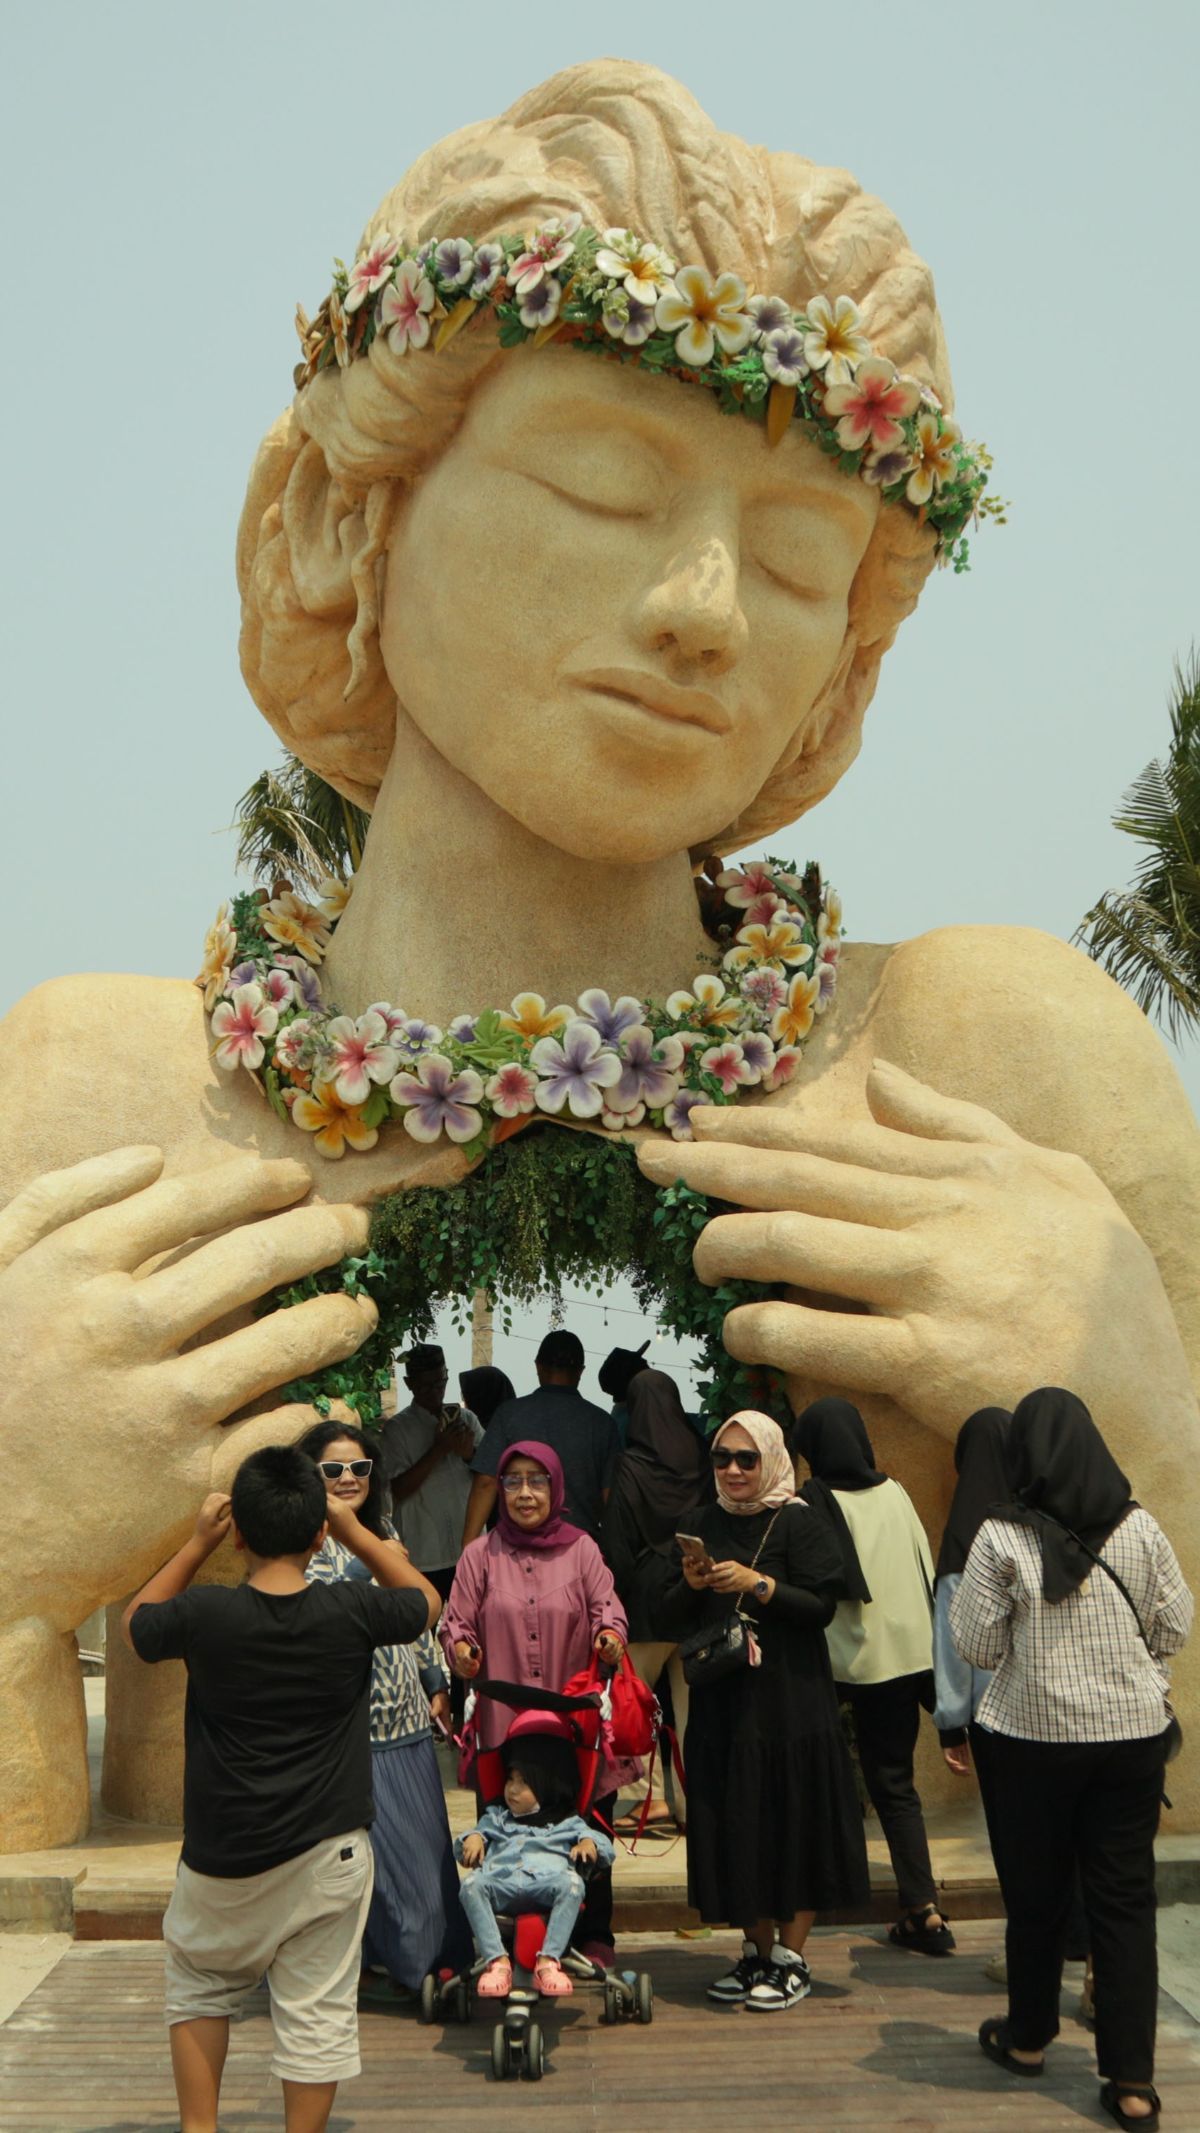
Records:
x=526, y=1852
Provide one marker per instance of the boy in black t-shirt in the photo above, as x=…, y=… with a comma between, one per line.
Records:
x=276, y=1871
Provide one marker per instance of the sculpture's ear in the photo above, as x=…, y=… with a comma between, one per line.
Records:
x=898, y=560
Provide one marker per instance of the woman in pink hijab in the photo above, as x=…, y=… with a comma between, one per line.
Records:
x=531, y=1601
x=774, y=1826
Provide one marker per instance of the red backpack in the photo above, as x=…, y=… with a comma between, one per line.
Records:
x=631, y=1721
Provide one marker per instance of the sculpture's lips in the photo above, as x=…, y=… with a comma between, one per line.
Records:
x=649, y=692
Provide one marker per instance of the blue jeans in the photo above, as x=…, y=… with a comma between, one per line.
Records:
x=558, y=1890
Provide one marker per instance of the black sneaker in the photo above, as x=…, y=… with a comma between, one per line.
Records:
x=734, y=1988
x=783, y=1982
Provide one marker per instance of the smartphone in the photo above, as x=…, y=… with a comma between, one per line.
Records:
x=690, y=1545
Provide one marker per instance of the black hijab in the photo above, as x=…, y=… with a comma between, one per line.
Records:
x=663, y=1476
x=979, y=1462
x=483, y=1389
x=1061, y=1473
x=832, y=1436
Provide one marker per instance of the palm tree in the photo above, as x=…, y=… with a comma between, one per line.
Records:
x=1148, y=937
x=291, y=822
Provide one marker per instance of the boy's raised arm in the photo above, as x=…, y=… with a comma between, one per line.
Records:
x=212, y=1524
x=386, y=1560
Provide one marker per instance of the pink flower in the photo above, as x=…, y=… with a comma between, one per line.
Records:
x=765, y=908
x=743, y=885
x=291, y=1042
x=280, y=989
x=240, y=1025
x=439, y=1100
x=371, y=271
x=786, y=1062
x=404, y=308
x=764, y=989
x=728, y=1064
x=873, y=407
x=394, y=1019
x=548, y=248
x=359, y=1055
x=512, y=1090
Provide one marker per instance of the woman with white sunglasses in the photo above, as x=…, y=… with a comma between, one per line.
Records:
x=415, y=1918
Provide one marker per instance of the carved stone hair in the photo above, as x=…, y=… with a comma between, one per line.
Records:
x=625, y=145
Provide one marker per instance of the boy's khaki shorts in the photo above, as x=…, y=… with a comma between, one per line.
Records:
x=302, y=1924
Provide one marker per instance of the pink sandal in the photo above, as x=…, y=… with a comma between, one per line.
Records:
x=495, y=1982
x=550, y=1978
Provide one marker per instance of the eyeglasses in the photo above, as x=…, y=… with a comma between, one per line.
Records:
x=745, y=1462
x=333, y=1469
x=511, y=1483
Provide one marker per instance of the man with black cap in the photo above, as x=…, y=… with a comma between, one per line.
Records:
x=584, y=1437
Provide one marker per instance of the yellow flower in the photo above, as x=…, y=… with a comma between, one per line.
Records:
x=340, y=325
x=834, y=342
x=219, y=944
x=793, y=1021
x=295, y=924
x=780, y=942
x=532, y=1018
x=334, y=896
x=936, y=439
x=336, y=1125
x=708, y=1002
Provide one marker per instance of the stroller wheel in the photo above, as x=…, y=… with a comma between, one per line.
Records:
x=462, y=2001
x=501, y=2053
x=645, y=1997
x=612, y=2000
x=534, y=2056
x=427, y=2003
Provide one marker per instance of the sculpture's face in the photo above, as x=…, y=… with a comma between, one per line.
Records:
x=613, y=608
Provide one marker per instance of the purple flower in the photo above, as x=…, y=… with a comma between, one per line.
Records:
x=574, y=1072
x=611, y=1018
x=826, y=977
x=630, y=321
x=679, y=1111
x=462, y=1029
x=758, y=1053
x=241, y=974
x=539, y=307
x=489, y=263
x=783, y=356
x=456, y=261
x=770, y=314
x=424, y=252
x=438, y=1100
x=650, y=1074
x=414, y=1036
x=883, y=468
x=308, y=984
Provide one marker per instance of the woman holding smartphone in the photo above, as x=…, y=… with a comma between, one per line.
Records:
x=415, y=1917
x=774, y=1826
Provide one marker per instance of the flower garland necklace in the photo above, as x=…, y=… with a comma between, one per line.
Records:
x=619, y=294
x=613, y=1063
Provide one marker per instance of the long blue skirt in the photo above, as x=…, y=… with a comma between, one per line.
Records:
x=415, y=1921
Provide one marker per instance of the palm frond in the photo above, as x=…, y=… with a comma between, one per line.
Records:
x=1148, y=938
x=291, y=822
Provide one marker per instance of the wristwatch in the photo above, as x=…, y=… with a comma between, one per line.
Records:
x=762, y=1588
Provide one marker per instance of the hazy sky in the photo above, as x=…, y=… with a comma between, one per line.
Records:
x=178, y=177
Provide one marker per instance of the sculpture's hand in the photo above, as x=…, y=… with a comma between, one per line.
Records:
x=116, y=1381
x=986, y=1265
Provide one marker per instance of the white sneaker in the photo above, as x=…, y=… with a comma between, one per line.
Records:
x=733, y=1989
x=785, y=1981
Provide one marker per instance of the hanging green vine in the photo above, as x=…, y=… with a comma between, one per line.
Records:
x=543, y=1209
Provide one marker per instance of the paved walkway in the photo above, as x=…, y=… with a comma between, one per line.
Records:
x=887, y=2040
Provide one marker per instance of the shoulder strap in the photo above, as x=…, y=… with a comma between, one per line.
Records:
x=1108, y=1570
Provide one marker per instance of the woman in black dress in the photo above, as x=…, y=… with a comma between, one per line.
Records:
x=774, y=1827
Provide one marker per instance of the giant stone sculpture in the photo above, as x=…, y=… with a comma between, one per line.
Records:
x=465, y=582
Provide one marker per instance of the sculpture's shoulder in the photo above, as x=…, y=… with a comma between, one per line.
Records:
x=1019, y=1021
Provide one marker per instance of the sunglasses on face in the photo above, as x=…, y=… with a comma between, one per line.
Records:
x=745, y=1462
x=512, y=1483
x=333, y=1469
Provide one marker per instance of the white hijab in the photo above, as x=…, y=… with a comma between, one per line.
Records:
x=777, y=1476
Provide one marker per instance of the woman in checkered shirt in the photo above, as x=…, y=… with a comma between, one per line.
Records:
x=1075, y=1720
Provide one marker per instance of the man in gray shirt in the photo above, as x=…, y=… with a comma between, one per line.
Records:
x=426, y=1449
x=584, y=1437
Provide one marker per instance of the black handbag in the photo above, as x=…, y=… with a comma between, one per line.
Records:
x=1173, y=1730
x=722, y=1647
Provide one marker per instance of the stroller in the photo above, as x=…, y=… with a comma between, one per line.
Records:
x=518, y=2045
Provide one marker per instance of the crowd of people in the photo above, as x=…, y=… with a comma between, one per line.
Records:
x=779, y=1591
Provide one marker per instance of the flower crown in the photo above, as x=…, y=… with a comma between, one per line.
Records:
x=615, y=292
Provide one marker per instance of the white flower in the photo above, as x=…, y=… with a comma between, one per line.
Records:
x=834, y=342
x=642, y=269
x=771, y=314
x=783, y=356
x=703, y=314
x=455, y=261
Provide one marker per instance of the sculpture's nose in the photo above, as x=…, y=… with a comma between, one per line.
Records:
x=693, y=614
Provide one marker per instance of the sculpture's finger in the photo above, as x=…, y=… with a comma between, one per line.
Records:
x=62, y=1196
x=763, y=1179
x=861, y=1142
x=808, y=1252
x=216, y=1278
x=857, y=1351
x=190, y=1205
x=224, y=1375
x=911, y=1106
x=282, y=1426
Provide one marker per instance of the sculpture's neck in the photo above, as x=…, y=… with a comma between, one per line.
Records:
x=457, y=908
